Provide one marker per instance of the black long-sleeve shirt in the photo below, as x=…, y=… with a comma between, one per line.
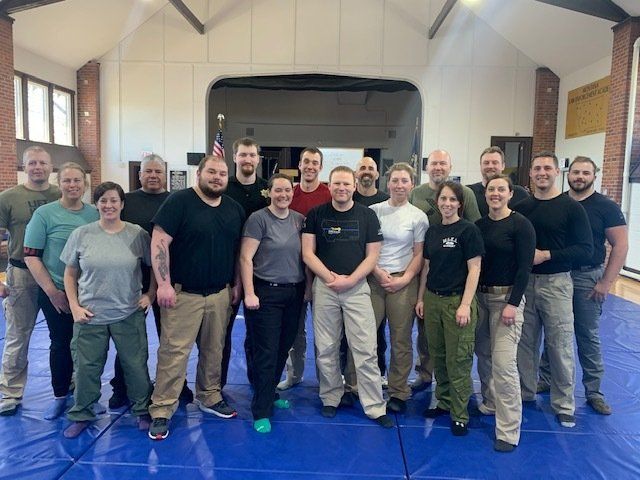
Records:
x=562, y=227
x=509, y=244
x=519, y=194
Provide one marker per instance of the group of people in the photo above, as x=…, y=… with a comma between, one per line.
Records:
x=358, y=258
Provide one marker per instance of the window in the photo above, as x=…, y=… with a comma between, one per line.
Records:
x=38, y=113
x=17, y=88
x=62, y=117
x=44, y=111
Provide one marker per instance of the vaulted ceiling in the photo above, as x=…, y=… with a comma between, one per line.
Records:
x=72, y=32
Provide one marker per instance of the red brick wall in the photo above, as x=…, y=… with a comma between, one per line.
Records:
x=88, y=98
x=624, y=35
x=545, y=113
x=8, y=163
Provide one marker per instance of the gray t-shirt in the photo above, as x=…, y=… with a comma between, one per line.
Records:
x=279, y=256
x=110, y=280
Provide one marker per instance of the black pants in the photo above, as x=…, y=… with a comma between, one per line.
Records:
x=226, y=351
x=60, y=332
x=117, y=382
x=273, y=328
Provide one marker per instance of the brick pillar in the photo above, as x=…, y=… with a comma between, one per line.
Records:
x=624, y=35
x=8, y=162
x=545, y=113
x=88, y=78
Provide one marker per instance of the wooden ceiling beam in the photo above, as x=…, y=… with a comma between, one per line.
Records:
x=606, y=9
x=188, y=15
x=446, y=8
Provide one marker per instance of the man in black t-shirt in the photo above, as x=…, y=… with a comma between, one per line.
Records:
x=341, y=243
x=562, y=238
x=194, y=247
x=252, y=193
x=492, y=164
x=367, y=194
x=139, y=208
x=591, y=280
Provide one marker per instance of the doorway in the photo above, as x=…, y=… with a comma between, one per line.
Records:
x=517, y=157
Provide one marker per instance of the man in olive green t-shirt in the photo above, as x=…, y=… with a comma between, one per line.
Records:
x=20, y=293
x=424, y=197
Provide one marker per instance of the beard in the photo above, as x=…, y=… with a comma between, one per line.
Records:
x=580, y=188
x=366, y=180
x=209, y=192
x=248, y=169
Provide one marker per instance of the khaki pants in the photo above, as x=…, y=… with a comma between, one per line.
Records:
x=20, y=312
x=399, y=308
x=549, y=306
x=451, y=348
x=497, y=350
x=351, y=312
x=194, y=319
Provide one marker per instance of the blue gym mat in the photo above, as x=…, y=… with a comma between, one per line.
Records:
x=304, y=445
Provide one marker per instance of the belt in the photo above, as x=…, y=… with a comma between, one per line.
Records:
x=496, y=290
x=205, y=292
x=17, y=263
x=260, y=281
x=588, y=268
x=445, y=293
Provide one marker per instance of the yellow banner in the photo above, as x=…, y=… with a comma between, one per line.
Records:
x=587, y=109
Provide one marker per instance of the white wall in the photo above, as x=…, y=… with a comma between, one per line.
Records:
x=154, y=84
x=590, y=145
x=27, y=62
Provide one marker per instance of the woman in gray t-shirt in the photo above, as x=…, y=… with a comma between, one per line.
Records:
x=274, y=281
x=103, y=281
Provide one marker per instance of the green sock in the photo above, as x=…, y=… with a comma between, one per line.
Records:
x=281, y=403
x=262, y=425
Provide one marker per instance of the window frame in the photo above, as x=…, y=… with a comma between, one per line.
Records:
x=25, y=78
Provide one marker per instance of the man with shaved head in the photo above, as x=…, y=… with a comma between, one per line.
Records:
x=424, y=197
x=20, y=294
x=367, y=174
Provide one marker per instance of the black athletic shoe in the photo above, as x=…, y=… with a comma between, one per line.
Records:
x=396, y=405
x=328, y=411
x=118, y=400
x=459, y=429
x=384, y=421
x=349, y=399
x=502, y=446
x=435, y=412
x=159, y=429
x=186, y=395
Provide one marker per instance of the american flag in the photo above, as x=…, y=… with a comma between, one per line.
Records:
x=218, y=145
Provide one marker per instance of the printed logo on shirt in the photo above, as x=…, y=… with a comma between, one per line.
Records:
x=340, y=231
x=449, y=242
x=34, y=204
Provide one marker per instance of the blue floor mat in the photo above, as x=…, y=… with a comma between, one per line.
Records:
x=305, y=445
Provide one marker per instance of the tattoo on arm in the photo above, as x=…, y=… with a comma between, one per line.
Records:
x=163, y=266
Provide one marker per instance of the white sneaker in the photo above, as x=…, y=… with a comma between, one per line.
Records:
x=287, y=383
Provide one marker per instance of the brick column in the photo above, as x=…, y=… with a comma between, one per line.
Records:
x=545, y=113
x=624, y=35
x=8, y=162
x=88, y=78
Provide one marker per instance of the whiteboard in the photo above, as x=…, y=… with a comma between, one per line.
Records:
x=332, y=157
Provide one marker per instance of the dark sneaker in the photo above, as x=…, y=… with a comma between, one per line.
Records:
x=435, y=412
x=144, y=422
x=542, y=387
x=384, y=421
x=349, y=399
x=566, y=420
x=396, y=405
x=599, y=405
x=459, y=429
x=186, y=395
x=9, y=410
x=502, y=446
x=159, y=429
x=328, y=411
x=75, y=429
x=220, y=409
x=420, y=384
x=118, y=400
